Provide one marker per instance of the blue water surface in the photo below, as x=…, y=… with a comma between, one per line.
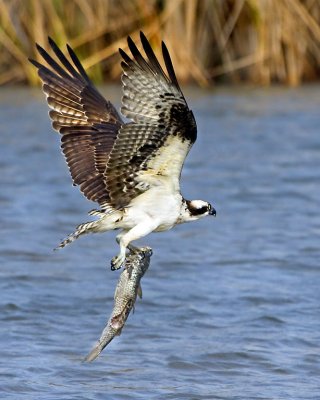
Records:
x=231, y=305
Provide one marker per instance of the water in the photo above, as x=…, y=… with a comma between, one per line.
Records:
x=231, y=306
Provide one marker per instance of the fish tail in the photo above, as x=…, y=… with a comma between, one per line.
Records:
x=94, y=353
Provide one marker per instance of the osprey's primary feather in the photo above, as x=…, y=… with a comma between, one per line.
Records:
x=87, y=122
x=124, y=166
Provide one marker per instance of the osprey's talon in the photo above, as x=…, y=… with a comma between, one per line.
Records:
x=117, y=262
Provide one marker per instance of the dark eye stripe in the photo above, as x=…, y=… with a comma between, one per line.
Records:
x=198, y=211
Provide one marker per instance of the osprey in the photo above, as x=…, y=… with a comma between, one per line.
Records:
x=132, y=170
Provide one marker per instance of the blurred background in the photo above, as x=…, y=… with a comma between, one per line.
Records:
x=211, y=41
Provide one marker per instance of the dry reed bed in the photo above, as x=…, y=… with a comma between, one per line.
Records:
x=256, y=41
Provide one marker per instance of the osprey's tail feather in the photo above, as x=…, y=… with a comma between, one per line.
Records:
x=107, y=221
x=97, y=213
x=82, y=229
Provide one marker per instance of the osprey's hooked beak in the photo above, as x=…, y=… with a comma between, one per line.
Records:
x=213, y=212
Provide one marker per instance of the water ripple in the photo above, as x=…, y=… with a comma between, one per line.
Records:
x=231, y=305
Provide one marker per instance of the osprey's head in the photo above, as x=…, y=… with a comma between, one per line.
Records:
x=198, y=209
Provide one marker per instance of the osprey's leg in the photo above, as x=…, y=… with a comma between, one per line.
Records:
x=130, y=246
x=126, y=237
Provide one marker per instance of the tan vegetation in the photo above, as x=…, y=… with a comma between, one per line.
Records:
x=255, y=41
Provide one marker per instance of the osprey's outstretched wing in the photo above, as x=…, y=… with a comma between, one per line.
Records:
x=111, y=161
x=88, y=123
x=163, y=130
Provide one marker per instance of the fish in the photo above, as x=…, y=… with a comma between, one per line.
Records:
x=126, y=292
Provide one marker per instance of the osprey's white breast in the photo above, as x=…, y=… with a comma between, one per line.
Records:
x=158, y=204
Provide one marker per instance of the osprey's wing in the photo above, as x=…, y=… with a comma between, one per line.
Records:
x=163, y=130
x=88, y=123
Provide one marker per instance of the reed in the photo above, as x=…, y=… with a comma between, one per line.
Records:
x=211, y=41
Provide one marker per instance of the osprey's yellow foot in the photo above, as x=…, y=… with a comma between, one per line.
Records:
x=117, y=262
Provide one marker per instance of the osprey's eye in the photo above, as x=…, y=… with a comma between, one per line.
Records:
x=209, y=207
